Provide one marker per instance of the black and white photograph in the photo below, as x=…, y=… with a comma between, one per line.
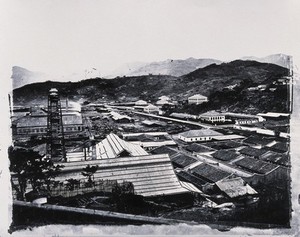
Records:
x=147, y=117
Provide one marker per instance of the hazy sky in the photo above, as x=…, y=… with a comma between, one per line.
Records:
x=65, y=36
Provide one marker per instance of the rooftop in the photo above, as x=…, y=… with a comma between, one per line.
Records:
x=41, y=121
x=197, y=96
x=199, y=148
x=235, y=187
x=113, y=146
x=181, y=160
x=209, y=173
x=250, y=151
x=164, y=150
x=200, y=133
x=256, y=166
x=151, y=175
x=212, y=113
x=225, y=155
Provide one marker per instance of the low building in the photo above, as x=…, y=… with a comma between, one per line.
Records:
x=141, y=103
x=149, y=142
x=235, y=187
x=212, y=117
x=198, y=135
x=113, y=146
x=119, y=118
x=183, y=116
x=238, y=118
x=197, y=149
x=181, y=160
x=36, y=125
x=151, y=109
x=254, y=152
x=225, y=155
x=197, y=99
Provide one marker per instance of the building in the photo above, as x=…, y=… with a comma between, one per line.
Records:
x=149, y=142
x=183, y=116
x=235, y=187
x=36, y=125
x=197, y=99
x=141, y=103
x=198, y=135
x=244, y=118
x=113, y=146
x=212, y=117
x=119, y=118
x=197, y=149
x=151, y=109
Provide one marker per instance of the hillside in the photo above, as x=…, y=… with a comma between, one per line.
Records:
x=210, y=81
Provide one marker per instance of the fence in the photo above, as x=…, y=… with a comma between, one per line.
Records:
x=77, y=187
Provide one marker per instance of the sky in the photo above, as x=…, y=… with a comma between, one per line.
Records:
x=66, y=36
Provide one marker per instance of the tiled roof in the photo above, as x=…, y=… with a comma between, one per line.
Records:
x=250, y=151
x=164, y=150
x=210, y=173
x=197, y=181
x=257, y=141
x=181, y=160
x=277, y=158
x=200, y=133
x=223, y=144
x=280, y=147
x=235, y=187
x=255, y=166
x=225, y=155
x=113, y=146
x=199, y=148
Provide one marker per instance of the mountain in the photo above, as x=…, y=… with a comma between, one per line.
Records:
x=21, y=76
x=212, y=81
x=168, y=67
x=282, y=60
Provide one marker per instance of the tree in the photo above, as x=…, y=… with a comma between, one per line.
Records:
x=29, y=166
x=89, y=172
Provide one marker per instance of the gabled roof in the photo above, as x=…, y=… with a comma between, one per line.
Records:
x=211, y=113
x=235, y=187
x=181, y=160
x=197, y=96
x=164, y=150
x=258, y=141
x=250, y=151
x=113, y=146
x=225, y=155
x=197, y=148
x=209, y=172
x=280, y=147
x=200, y=133
x=151, y=175
x=256, y=166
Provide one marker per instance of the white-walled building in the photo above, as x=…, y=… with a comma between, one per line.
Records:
x=198, y=135
x=197, y=99
x=212, y=116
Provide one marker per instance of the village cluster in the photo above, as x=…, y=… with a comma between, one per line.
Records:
x=222, y=157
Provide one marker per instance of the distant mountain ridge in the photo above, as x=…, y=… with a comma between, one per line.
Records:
x=21, y=76
x=282, y=60
x=173, y=67
x=210, y=81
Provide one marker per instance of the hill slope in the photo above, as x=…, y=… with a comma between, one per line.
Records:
x=210, y=81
